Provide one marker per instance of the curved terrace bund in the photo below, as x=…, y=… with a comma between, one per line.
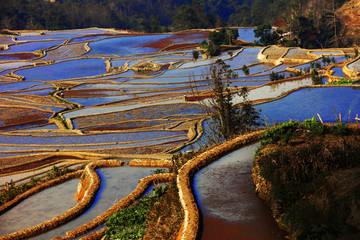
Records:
x=86, y=193
x=350, y=72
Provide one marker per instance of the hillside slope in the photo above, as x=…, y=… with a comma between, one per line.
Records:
x=350, y=14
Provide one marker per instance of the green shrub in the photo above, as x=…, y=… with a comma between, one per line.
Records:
x=343, y=81
x=316, y=77
x=314, y=126
x=281, y=133
x=245, y=69
x=130, y=223
x=57, y=172
x=339, y=129
x=276, y=76
x=195, y=54
x=204, y=44
x=213, y=50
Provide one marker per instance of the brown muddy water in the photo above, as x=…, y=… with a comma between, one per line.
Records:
x=229, y=206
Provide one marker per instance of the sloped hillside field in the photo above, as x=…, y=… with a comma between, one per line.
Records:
x=77, y=100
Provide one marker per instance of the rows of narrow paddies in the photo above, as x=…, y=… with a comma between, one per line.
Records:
x=72, y=97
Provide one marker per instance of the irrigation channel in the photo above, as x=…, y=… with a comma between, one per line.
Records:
x=227, y=200
x=70, y=98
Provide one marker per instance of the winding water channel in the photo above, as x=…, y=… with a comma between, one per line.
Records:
x=229, y=206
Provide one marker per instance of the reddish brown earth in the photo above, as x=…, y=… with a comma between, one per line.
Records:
x=180, y=46
x=16, y=125
x=17, y=56
x=255, y=221
x=220, y=229
x=18, y=116
x=35, y=164
x=197, y=98
x=350, y=14
x=178, y=38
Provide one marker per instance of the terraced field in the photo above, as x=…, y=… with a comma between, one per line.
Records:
x=75, y=97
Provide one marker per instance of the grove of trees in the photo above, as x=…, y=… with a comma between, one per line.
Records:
x=313, y=23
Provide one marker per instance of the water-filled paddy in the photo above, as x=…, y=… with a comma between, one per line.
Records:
x=355, y=65
x=180, y=138
x=306, y=103
x=241, y=60
x=86, y=139
x=47, y=37
x=247, y=34
x=17, y=86
x=31, y=47
x=188, y=72
x=97, y=110
x=65, y=70
x=41, y=92
x=81, y=31
x=39, y=208
x=13, y=65
x=46, y=126
x=338, y=59
x=274, y=90
x=116, y=183
x=251, y=51
x=198, y=63
x=326, y=53
x=123, y=46
x=27, y=175
x=91, y=101
x=118, y=63
x=338, y=72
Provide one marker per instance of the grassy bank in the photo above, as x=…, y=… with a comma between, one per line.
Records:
x=158, y=216
x=309, y=175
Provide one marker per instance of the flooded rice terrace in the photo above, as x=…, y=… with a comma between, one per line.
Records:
x=70, y=98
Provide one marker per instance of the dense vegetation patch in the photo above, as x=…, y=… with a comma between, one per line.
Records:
x=343, y=81
x=158, y=216
x=303, y=165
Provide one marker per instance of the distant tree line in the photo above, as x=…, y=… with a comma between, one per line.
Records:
x=313, y=23
x=140, y=15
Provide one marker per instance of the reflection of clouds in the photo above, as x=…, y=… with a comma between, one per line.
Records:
x=274, y=90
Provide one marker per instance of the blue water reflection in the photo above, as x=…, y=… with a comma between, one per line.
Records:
x=65, y=70
x=306, y=103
